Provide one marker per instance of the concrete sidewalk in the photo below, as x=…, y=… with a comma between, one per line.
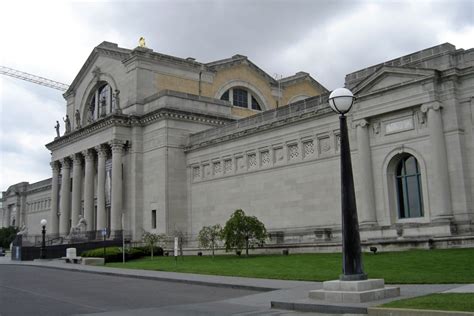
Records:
x=280, y=294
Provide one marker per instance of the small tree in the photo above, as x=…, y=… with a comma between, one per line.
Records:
x=7, y=235
x=151, y=240
x=242, y=231
x=209, y=237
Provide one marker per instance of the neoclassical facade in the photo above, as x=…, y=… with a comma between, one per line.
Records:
x=163, y=144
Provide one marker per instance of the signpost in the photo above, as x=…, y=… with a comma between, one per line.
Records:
x=176, y=250
x=123, y=239
x=104, y=234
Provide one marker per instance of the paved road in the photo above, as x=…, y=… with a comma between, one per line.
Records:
x=39, y=291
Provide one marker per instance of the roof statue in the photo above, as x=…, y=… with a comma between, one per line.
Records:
x=141, y=42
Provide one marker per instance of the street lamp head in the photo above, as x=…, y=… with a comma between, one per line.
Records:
x=341, y=100
x=44, y=222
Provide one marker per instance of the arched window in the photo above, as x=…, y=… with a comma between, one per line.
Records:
x=410, y=198
x=100, y=101
x=242, y=98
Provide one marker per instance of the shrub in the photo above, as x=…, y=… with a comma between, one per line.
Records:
x=114, y=254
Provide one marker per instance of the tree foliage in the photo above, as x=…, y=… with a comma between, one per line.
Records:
x=242, y=231
x=151, y=240
x=7, y=234
x=209, y=237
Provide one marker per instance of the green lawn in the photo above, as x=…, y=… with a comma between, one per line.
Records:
x=461, y=302
x=415, y=266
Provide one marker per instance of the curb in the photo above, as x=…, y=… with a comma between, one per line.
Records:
x=380, y=311
x=319, y=308
x=156, y=278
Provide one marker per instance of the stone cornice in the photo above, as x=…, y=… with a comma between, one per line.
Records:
x=151, y=56
x=293, y=113
x=114, y=120
x=35, y=190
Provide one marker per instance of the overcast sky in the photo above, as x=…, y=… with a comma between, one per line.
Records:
x=328, y=39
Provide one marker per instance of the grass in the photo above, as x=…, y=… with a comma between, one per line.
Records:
x=415, y=266
x=461, y=302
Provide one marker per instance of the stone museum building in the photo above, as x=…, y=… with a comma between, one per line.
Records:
x=165, y=144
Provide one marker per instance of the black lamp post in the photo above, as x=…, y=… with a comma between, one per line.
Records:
x=341, y=100
x=43, y=241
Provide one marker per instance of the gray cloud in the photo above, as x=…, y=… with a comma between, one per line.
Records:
x=325, y=38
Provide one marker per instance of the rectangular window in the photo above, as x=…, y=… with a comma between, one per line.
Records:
x=240, y=98
x=153, y=219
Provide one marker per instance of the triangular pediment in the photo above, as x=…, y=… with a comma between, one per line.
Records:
x=388, y=77
x=105, y=49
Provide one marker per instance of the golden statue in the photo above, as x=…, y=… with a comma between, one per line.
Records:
x=141, y=42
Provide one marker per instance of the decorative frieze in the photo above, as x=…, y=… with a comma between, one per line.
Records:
x=293, y=152
x=38, y=205
x=206, y=171
x=196, y=173
x=240, y=163
x=308, y=148
x=265, y=158
x=337, y=138
x=324, y=144
x=279, y=154
x=217, y=167
x=252, y=161
x=227, y=166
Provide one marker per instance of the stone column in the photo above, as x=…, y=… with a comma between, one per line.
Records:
x=89, y=189
x=367, y=214
x=101, y=215
x=54, y=219
x=440, y=190
x=9, y=215
x=65, y=203
x=116, y=207
x=76, y=188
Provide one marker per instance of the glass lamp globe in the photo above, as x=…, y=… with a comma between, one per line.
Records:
x=44, y=222
x=340, y=100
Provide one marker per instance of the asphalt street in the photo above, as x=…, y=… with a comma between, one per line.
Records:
x=40, y=291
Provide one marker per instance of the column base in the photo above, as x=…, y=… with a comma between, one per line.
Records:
x=338, y=291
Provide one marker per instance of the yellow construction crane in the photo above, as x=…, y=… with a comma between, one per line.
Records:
x=32, y=78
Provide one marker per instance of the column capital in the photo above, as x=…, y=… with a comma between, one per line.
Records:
x=361, y=123
x=77, y=159
x=116, y=145
x=101, y=150
x=88, y=154
x=66, y=163
x=436, y=106
x=55, y=165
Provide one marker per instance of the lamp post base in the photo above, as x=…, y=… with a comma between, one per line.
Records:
x=354, y=291
x=353, y=277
